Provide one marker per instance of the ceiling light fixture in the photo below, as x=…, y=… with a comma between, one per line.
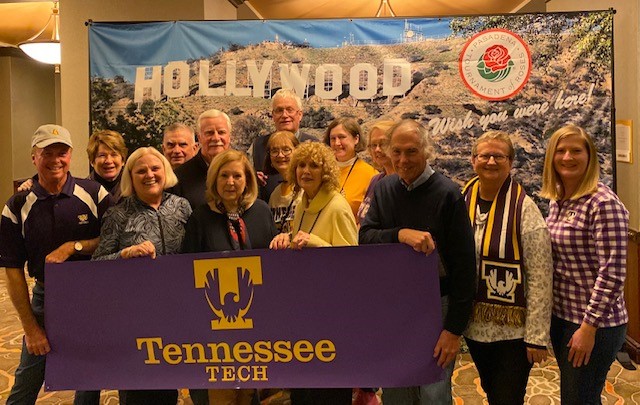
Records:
x=43, y=47
x=385, y=9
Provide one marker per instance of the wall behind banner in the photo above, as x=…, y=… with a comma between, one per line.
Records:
x=75, y=60
x=626, y=62
x=75, y=100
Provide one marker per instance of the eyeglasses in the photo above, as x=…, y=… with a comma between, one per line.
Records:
x=381, y=145
x=282, y=110
x=484, y=158
x=275, y=152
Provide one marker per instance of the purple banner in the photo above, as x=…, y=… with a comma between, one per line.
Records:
x=364, y=316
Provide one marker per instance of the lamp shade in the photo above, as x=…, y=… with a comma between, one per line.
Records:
x=45, y=51
x=45, y=47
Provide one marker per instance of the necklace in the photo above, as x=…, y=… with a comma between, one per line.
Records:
x=348, y=174
x=312, y=225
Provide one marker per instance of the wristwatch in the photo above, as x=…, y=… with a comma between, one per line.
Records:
x=77, y=247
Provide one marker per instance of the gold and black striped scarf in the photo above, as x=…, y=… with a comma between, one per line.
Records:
x=500, y=296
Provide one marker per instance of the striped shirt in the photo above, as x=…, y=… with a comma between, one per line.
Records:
x=34, y=223
x=589, y=239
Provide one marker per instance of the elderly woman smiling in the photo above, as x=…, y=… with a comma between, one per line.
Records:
x=509, y=327
x=283, y=199
x=232, y=219
x=323, y=217
x=148, y=222
x=107, y=152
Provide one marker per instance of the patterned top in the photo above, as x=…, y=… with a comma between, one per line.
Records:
x=589, y=239
x=536, y=257
x=283, y=207
x=132, y=222
x=366, y=203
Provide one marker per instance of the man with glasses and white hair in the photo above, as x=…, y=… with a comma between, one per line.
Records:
x=214, y=136
x=286, y=110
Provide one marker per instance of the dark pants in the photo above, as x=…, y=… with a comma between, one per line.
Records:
x=93, y=398
x=583, y=385
x=88, y=398
x=30, y=372
x=136, y=397
x=503, y=368
x=147, y=397
x=199, y=397
x=321, y=396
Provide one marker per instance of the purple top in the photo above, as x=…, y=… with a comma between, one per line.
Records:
x=589, y=239
x=34, y=222
x=364, y=206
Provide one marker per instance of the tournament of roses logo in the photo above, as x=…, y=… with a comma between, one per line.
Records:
x=495, y=64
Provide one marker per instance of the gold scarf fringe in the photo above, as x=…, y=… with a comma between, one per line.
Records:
x=499, y=314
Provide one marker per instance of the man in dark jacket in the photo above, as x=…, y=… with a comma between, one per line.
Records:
x=424, y=209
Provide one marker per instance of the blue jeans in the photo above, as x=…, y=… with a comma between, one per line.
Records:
x=438, y=393
x=584, y=384
x=30, y=372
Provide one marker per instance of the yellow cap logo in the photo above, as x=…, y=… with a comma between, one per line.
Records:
x=55, y=132
x=228, y=287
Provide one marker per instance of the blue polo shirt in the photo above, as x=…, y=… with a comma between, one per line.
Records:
x=34, y=223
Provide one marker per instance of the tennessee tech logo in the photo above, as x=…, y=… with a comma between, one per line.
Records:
x=501, y=280
x=228, y=287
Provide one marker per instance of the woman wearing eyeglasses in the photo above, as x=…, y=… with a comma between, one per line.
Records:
x=344, y=137
x=377, y=145
x=283, y=199
x=509, y=326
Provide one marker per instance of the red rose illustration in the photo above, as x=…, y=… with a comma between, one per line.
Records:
x=496, y=57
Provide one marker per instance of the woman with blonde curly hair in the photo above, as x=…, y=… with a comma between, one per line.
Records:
x=322, y=218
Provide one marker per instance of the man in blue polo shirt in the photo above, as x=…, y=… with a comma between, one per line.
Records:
x=56, y=221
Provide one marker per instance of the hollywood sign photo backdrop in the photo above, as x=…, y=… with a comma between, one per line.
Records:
x=460, y=76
